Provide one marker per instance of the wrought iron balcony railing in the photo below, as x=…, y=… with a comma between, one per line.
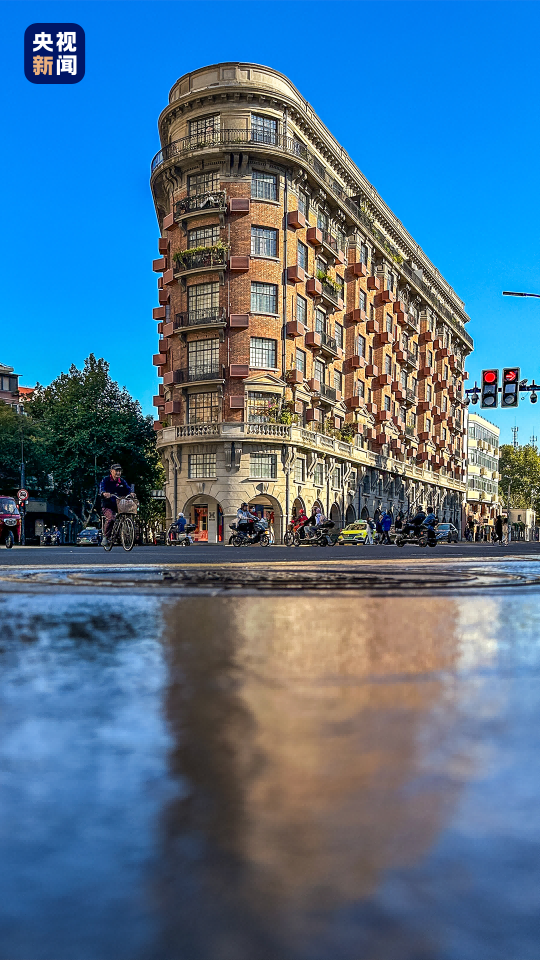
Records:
x=329, y=343
x=328, y=393
x=205, y=315
x=226, y=138
x=329, y=292
x=204, y=201
x=194, y=259
x=203, y=372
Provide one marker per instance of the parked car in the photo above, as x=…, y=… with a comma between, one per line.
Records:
x=89, y=537
x=10, y=522
x=447, y=533
x=353, y=533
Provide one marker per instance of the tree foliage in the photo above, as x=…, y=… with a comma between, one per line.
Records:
x=86, y=422
x=520, y=467
x=18, y=433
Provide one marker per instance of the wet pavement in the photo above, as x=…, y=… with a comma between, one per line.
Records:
x=247, y=766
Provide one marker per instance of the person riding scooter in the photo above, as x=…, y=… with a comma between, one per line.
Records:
x=430, y=521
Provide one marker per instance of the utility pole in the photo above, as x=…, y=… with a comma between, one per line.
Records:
x=533, y=440
x=22, y=507
x=515, y=431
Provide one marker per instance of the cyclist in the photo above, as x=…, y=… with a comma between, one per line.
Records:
x=110, y=488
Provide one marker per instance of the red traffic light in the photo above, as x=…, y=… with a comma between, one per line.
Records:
x=510, y=376
x=490, y=376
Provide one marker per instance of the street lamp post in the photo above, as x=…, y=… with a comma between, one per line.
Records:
x=508, y=527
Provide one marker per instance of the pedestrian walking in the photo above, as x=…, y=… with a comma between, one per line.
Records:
x=386, y=523
x=398, y=525
x=379, y=529
x=370, y=528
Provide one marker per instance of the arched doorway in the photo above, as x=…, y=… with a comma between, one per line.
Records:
x=270, y=509
x=207, y=515
x=335, y=514
x=297, y=506
x=364, y=515
x=350, y=516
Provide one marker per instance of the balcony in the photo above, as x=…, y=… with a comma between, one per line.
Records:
x=412, y=360
x=204, y=372
x=314, y=236
x=328, y=394
x=204, y=318
x=296, y=220
x=200, y=260
x=329, y=345
x=410, y=398
x=410, y=321
x=202, y=204
x=331, y=295
x=330, y=246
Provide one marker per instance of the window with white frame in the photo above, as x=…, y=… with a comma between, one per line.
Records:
x=360, y=388
x=362, y=300
x=388, y=323
x=320, y=321
x=363, y=254
x=264, y=297
x=262, y=352
x=387, y=404
x=260, y=406
x=301, y=310
x=204, y=128
x=300, y=361
x=338, y=334
x=299, y=470
x=361, y=345
x=263, y=186
x=302, y=255
x=322, y=220
x=429, y=392
x=338, y=381
x=336, y=477
x=318, y=475
x=203, y=407
x=391, y=281
x=428, y=424
x=318, y=370
x=201, y=465
x=388, y=364
x=199, y=183
x=263, y=466
x=203, y=237
x=303, y=203
x=263, y=129
x=263, y=242
x=404, y=379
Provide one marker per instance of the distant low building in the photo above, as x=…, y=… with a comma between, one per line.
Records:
x=10, y=391
x=482, y=503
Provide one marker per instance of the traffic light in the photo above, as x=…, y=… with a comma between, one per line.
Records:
x=510, y=387
x=490, y=388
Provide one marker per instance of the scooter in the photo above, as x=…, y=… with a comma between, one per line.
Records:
x=242, y=538
x=176, y=539
x=421, y=535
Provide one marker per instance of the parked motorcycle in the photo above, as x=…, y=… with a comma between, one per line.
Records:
x=259, y=534
x=176, y=539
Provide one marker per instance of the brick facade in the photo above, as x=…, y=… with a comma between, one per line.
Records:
x=369, y=339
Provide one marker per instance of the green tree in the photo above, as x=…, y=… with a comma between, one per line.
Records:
x=521, y=467
x=86, y=422
x=17, y=433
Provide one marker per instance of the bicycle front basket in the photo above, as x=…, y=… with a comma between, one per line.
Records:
x=128, y=506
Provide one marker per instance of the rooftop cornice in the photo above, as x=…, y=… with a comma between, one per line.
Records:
x=304, y=116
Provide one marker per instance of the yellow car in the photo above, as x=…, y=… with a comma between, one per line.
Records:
x=354, y=532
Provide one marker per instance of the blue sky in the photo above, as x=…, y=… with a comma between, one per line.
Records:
x=436, y=102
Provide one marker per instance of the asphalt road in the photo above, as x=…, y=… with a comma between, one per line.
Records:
x=66, y=556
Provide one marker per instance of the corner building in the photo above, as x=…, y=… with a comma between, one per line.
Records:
x=309, y=351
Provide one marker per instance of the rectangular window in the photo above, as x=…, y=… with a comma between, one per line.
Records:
x=430, y=358
x=360, y=388
x=301, y=310
x=263, y=242
x=318, y=476
x=261, y=406
x=203, y=407
x=302, y=255
x=203, y=301
x=364, y=253
x=404, y=379
x=262, y=352
x=199, y=183
x=299, y=470
x=322, y=220
x=429, y=393
x=320, y=321
x=263, y=466
x=264, y=297
x=338, y=380
x=318, y=370
x=388, y=323
x=203, y=237
x=263, y=186
x=336, y=478
x=391, y=281
x=387, y=364
x=303, y=203
x=361, y=345
x=201, y=465
x=203, y=358
x=414, y=386
x=387, y=404
x=300, y=361
x=320, y=267
x=428, y=425
x=338, y=334
x=204, y=128
x=362, y=300
x=263, y=129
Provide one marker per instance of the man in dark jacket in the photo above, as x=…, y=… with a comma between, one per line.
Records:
x=386, y=523
x=110, y=488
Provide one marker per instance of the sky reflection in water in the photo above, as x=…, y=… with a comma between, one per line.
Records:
x=294, y=778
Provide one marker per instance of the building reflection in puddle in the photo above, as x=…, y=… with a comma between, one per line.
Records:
x=304, y=727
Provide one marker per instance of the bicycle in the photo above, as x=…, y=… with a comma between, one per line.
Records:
x=123, y=529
